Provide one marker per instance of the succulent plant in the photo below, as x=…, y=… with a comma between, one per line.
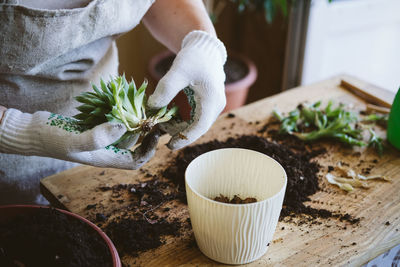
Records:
x=122, y=102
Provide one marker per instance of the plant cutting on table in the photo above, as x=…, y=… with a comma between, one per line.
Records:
x=310, y=122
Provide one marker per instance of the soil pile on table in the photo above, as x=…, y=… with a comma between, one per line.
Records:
x=140, y=228
x=146, y=221
x=301, y=171
x=50, y=238
x=132, y=236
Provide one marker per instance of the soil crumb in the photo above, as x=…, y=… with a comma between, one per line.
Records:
x=235, y=200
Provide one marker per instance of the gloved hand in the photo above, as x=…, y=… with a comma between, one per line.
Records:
x=51, y=135
x=199, y=65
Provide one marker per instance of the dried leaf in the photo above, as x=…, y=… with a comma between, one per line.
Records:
x=371, y=177
x=351, y=181
x=344, y=186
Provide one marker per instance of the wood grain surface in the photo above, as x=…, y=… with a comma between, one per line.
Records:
x=330, y=242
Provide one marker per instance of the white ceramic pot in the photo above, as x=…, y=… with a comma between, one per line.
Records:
x=234, y=233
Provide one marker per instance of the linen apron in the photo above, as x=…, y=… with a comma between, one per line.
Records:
x=47, y=57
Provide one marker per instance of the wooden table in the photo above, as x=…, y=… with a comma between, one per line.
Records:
x=330, y=243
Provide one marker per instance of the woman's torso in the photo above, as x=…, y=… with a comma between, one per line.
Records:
x=51, y=55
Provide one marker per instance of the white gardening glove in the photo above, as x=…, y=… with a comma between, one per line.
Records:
x=51, y=135
x=199, y=65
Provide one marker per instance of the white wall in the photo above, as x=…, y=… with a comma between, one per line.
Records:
x=358, y=37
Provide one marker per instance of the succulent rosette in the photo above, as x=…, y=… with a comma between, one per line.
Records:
x=121, y=101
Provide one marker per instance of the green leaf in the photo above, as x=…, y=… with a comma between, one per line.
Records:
x=328, y=107
x=127, y=104
x=161, y=112
x=111, y=118
x=81, y=116
x=104, y=87
x=98, y=102
x=107, y=93
x=277, y=114
x=289, y=123
x=131, y=96
x=116, y=112
x=376, y=142
x=86, y=108
x=114, y=90
x=98, y=92
x=324, y=120
x=143, y=86
x=308, y=115
x=98, y=112
x=93, y=95
x=348, y=139
x=82, y=99
x=172, y=111
x=124, y=84
x=88, y=98
x=139, y=96
x=317, y=121
x=132, y=120
x=143, y=110
x=316, y=104
x=380, y=119
x=92, y=121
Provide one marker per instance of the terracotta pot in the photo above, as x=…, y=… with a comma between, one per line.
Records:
x=10, y=211
x=236, y=92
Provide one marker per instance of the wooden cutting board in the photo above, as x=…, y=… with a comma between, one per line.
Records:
x=330, y=243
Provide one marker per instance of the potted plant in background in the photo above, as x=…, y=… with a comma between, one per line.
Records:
x=241, y=72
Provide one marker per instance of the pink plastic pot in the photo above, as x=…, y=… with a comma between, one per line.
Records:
x=10, y=211
x=236, y=92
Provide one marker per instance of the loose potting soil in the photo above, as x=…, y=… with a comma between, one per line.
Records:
x=50, y=238
x=135, y=235
x=301, y=171
x=235, y=200
x=139, y=228
x=142, y=229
